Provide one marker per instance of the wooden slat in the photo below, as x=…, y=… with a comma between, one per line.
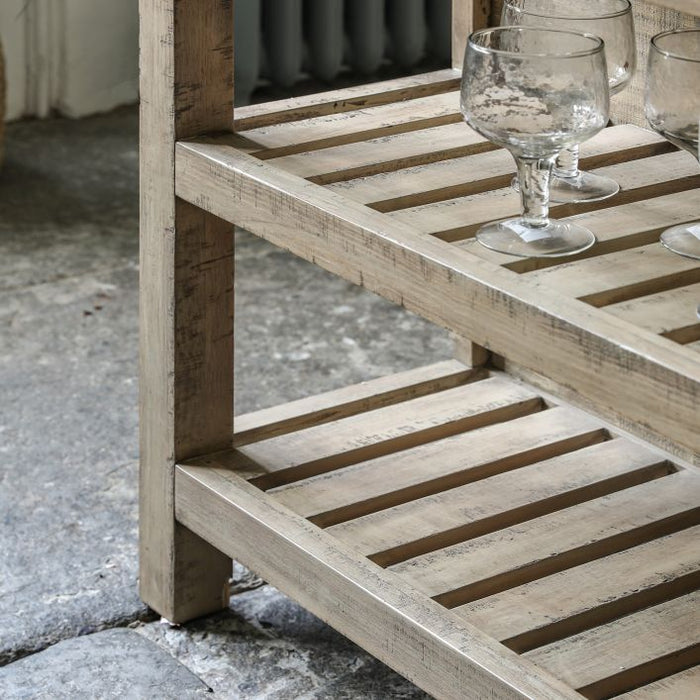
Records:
x=351, y=400
x=437, y=466
x=496, y=502
x=348, y=127
x=680, y=686
x=460, y=218
x=459, y=177
x=384, y=154
x=385, y=430
x=369, y=605
x=590, y=594
x=608, y=279
x=615, y=228
x=521, y=553
x=672, y=313
x=628, y=374
x=621, y=654
x=346, y=99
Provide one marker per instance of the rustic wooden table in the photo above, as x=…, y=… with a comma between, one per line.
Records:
x=519, y=522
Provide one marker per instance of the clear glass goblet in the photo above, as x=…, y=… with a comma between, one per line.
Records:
x=672, y=106
x=612, y=21
x=535, y=91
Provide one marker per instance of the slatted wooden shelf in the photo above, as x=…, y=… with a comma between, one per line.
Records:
x=522, y=523
x=571, y=546
x=415, y=181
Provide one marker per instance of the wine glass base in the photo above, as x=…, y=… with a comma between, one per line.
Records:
x=585, y=187
x=683, y=239
x=515, y=237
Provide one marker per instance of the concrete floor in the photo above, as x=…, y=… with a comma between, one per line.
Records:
x=71, y=622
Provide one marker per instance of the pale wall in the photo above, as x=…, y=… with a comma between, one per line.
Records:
x=73, y=56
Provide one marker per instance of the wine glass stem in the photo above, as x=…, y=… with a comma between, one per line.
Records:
x=533, y=175
x=566, y=164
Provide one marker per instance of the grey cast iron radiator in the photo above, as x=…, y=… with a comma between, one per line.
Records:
x=284, y=39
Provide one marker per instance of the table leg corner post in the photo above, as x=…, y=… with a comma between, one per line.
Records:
x=469, y=353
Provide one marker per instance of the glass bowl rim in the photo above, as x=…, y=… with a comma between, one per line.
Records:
x=627, y=9
x=598, y=46
x=673, y=54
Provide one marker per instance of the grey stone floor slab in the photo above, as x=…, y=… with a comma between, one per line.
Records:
x=116, y=664
x=68, y=414
x=266, y=647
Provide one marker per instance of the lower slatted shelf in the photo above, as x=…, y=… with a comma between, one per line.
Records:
x=501, y=533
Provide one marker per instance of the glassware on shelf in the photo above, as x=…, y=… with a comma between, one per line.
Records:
x=611, y=20
x=672, y=105
x=535, y=91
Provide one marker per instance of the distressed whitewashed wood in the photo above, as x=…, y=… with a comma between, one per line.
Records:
x=671, y=313
x=590, y=594
x=615, y=227
x=186, y=338
x=611, y=658
x=680, y=686
x=639, y=179
x=495, y=308
x=691, y=7
x=371, y=122
x=385, y=430
x=384, y=154
x=521, y=553
x=391, y=620
x=346, y=99
x=358, y=398
x=437, y=466
x=549, y=495
x=619, y=276
x=459, y=177
x=483, y=506
x=467, y=15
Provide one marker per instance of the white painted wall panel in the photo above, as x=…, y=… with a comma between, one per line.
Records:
x=100, y=57
x=73, y=56
x=13, y=37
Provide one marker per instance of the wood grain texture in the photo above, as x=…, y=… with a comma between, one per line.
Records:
x=520, y=553
x=620, y=276
x=691, y=7
x=346, y=99
x=616, y=228
x=671, y=313
x=349, y=401
x=186, y=298
x=459, y=177
x=277, y=140
x=475, y=490
x=467, y=15
x=384, y=154
x=494, y=307
x=460, y=218
x=679, y=686
x=591, y=594
x=483, y=506
x=323, y=448
x=379, y=611
x=640, y=647
x=439, y=465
